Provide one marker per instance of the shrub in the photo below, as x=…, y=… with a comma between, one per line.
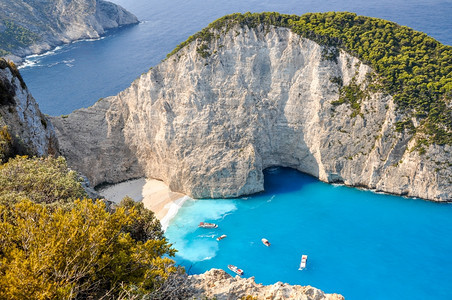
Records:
x=41, y=180
x=85, y=253
x=145, y=226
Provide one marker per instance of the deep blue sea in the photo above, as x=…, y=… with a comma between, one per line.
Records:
x=360, y=244
x=77, y=75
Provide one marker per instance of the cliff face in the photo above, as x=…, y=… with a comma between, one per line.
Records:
x=210, y=118
x=218, y=284
x=30, y=131
x=29, y=27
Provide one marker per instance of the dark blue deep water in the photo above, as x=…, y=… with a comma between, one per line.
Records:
x=77, y=75
x=360, y=244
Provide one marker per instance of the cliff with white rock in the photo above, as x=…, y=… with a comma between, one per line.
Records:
x=217, y=284
x=23, y=128
x=209, y=119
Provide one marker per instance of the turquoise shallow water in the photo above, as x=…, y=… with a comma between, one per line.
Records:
x=360, y=244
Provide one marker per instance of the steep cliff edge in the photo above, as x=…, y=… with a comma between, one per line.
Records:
x=23, y=128
x=211, y=117
x=31, y=27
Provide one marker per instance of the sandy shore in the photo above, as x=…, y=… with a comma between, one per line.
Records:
x=154, y=194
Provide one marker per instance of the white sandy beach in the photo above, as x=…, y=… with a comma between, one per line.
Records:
x=154, y=194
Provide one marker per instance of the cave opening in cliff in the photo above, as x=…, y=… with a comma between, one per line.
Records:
x=279, y=179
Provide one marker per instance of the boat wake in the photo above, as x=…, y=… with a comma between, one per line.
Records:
x=206, y=236
x=67, y=62
x=89, y=40
x=206, y=258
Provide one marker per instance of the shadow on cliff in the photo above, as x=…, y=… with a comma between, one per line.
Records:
x=281, y=180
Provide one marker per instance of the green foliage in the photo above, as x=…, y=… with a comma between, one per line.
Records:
x=353, y=95
x=337, y=80
x=411, y=66
x=145, y=226
x=6, y=144
x=15, y=36
x=83, y=253
x=42, y=180
x=10, y=145
x=405, y=124
x=420, y=145
x=203, y=50
x=330, y=53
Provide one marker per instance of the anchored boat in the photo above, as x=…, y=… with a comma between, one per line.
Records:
x=266, y=242
x=207, y=225
x=221, y=237
x=235, y=269
x=304, y=259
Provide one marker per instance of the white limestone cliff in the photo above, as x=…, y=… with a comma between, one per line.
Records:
x=207, y=122
x=217, y=284
x=20, y=113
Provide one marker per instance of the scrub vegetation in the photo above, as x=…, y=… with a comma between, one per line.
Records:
x=13, y=36
x=56, y=244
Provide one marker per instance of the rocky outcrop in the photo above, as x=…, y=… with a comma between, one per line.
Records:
x=217, y=284
x=25, y=129
x=41, y=25
x=210, y=118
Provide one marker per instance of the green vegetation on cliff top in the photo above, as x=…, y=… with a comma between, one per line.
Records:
x=412, y=67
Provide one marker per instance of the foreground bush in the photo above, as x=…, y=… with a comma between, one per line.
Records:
x=85, y=252
x=145, y=225
x=42, y=180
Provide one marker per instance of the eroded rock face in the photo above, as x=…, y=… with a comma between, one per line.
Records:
x=20, y=113
x=218, y=284
x=207, y=122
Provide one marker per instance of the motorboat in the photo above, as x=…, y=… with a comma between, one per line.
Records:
x=304, y=259
x=266, y=242
x=235, y=269
x=221, y=237
x=207, y=225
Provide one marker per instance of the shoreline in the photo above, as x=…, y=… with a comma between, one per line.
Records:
x=154, y=194
x=23, y=60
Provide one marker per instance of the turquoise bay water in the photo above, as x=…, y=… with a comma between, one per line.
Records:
x=360, y=244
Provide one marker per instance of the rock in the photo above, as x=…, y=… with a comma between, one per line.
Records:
x=49, y=23
x=218, y=284
x=208, y=123
x=32, y=132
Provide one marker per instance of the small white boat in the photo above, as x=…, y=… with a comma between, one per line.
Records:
x=235, y=269
x=304, y=259
x=266, y=242
x=221, y=237
x=207, y=225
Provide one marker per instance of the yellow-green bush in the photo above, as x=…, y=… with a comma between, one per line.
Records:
x=84, y=253
x=41, y=180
